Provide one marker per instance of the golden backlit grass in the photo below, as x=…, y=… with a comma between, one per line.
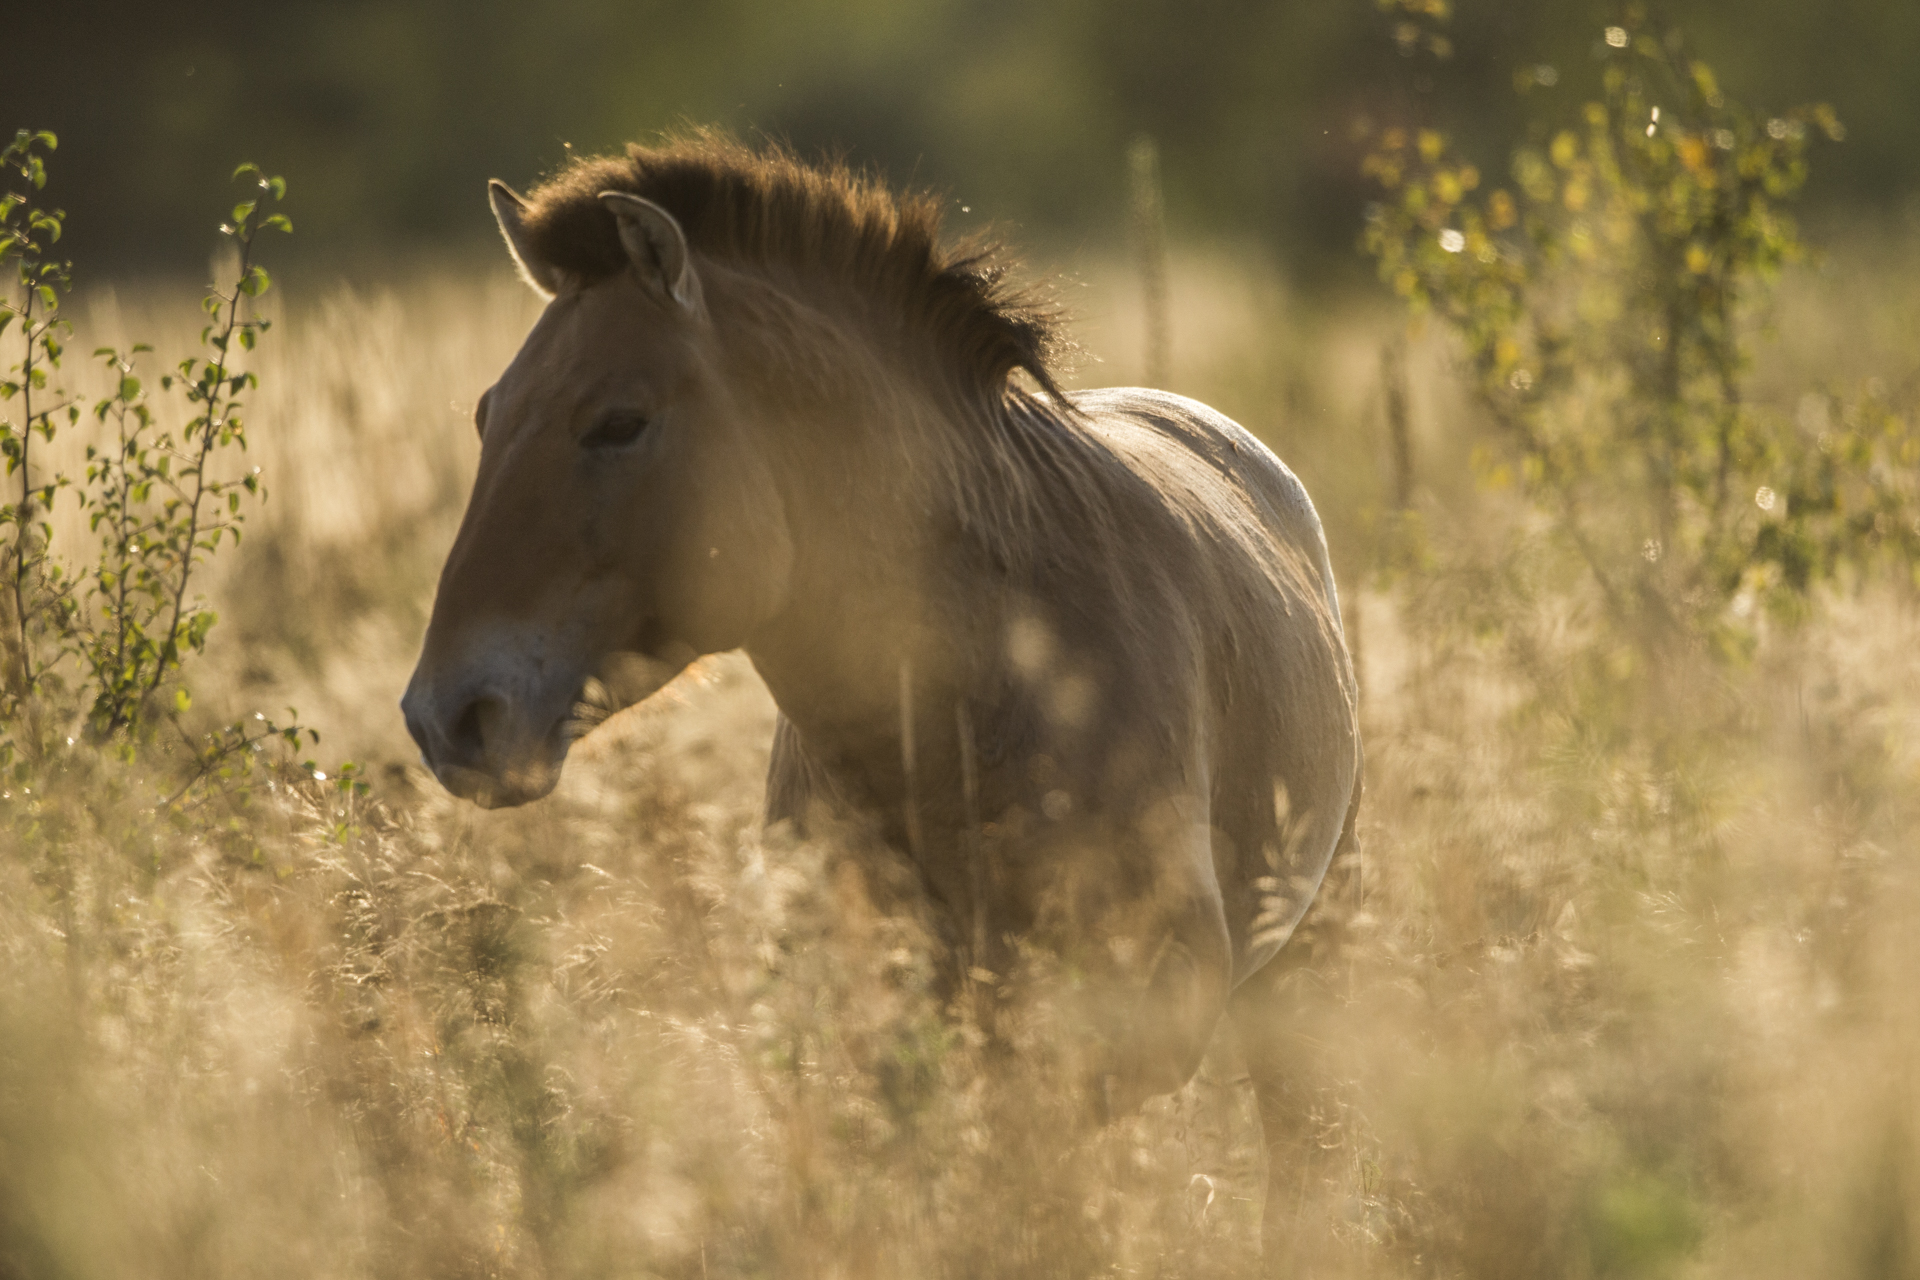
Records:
x=1578, y=1010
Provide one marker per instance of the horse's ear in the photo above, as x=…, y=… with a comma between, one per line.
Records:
x=510, y=211
x=656, y=246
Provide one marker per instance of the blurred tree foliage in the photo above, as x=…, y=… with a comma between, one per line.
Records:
x=1602, y=287
x=394, y=115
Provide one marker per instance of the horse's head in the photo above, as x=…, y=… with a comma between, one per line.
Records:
x=621, y=523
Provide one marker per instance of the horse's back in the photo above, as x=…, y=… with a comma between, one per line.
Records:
x=1216, y=469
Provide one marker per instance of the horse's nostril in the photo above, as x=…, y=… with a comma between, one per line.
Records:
x=467, y=736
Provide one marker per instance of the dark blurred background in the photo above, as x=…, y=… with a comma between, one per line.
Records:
x=388, y=118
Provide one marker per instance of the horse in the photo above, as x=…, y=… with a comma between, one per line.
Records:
x=1078, y=656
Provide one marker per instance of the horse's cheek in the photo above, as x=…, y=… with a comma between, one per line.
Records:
x=733, y=565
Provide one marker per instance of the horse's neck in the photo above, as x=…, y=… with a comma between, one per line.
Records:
x=874, y=472
x=875, y=572
x=858, y=614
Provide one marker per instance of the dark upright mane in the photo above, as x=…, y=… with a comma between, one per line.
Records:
x=765, y=209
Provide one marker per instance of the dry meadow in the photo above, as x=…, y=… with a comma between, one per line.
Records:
x=1574, y=1010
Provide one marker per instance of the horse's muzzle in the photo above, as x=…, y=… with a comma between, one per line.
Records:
x=484, y=751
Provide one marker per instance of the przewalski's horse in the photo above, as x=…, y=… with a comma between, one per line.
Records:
x=1079, y=655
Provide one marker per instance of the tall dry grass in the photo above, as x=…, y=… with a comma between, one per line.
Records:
x=1563, y=1017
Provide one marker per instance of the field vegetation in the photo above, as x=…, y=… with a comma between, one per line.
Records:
x=1620, y=984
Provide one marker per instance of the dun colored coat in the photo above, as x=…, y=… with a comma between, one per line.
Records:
x=1078, y=655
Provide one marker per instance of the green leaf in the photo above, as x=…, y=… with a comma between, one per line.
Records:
x=129, y=387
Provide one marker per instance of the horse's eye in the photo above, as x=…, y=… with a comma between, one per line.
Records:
x=613, y=428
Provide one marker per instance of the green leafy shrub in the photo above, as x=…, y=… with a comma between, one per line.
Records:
x=98, y=648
